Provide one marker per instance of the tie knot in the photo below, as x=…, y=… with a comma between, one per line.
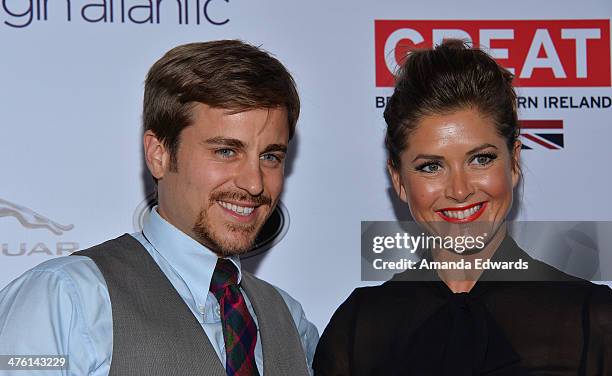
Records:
x=225, y=274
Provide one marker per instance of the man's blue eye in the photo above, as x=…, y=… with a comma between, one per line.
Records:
x=225, y=153
x=270, y=157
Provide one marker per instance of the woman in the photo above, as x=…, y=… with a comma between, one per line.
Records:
x=452, y=141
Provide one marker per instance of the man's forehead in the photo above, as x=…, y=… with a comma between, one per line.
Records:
x=269, y=124
x=239, y=143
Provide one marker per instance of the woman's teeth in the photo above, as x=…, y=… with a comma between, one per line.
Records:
x=463, y=213
x=240, y=210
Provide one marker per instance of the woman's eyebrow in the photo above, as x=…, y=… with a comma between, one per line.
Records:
x=472, y=151
x=427, y=156
x=479, y=148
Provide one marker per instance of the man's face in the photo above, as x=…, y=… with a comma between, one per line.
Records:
x=228, y=177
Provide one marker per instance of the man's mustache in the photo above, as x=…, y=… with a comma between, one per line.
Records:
x=241, y=196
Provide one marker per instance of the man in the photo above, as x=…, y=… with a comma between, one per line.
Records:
x=217, y=117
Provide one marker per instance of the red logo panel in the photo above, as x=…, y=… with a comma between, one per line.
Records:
x=541, y=53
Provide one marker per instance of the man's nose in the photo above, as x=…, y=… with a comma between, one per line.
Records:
x=459, y=187
x=250, y=177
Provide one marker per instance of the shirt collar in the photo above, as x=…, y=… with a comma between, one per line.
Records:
x=192, y=261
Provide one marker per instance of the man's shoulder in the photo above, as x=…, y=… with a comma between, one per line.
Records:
x=60, y=306
x=66, y=267
x=78, y=266
x=67, y=281
x=65, y=284
x=291, y=303
x=75, y=275
x=117, y=244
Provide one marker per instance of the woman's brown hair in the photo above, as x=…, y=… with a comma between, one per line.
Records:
x=450, y=77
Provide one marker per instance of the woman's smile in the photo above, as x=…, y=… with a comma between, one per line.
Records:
x=457, y=169
x=463, y=214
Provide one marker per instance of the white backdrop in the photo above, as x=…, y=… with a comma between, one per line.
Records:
x=71, y=93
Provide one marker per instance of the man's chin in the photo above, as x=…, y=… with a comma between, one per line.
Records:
x=228, y=238
x=231, y=252
x=227, y=247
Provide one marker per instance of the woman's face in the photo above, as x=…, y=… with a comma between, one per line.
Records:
x=456, y=169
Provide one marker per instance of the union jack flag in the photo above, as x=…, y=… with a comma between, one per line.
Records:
x=541, y=133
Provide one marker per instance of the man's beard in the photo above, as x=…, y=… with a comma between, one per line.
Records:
x=236, y=238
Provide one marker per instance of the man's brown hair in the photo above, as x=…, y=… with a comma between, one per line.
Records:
x=227, y=74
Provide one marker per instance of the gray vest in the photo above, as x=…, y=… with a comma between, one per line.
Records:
x=155, y=333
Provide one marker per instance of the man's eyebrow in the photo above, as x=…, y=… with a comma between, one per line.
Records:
x=275, y=147
x=223, y=141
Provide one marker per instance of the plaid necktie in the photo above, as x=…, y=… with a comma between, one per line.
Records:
x=239, y=329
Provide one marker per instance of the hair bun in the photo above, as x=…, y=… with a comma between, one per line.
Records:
x=455, y=44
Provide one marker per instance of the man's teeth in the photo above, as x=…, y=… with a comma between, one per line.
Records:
x=463, y=213
x=241, y=210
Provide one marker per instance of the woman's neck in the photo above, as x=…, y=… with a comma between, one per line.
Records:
x=463, y=280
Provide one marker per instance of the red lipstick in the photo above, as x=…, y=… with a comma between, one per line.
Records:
x=469, y=218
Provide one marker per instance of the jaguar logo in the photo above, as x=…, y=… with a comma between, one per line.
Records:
x=31, y=219
x=272, y=232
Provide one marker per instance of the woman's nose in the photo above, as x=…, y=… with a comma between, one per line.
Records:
x=459, y=187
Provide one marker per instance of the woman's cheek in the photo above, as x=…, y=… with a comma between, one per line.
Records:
x=497, y=184
x=422, y=194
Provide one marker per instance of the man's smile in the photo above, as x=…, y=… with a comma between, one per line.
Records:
x=244, y=212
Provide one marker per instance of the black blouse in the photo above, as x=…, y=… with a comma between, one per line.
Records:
x=546, y=323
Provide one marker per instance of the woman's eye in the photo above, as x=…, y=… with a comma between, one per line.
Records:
x=483, y=159
x=225, y=153
x=429, y=167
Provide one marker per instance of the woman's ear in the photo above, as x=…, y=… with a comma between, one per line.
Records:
x=516, y=163
x=397, y=181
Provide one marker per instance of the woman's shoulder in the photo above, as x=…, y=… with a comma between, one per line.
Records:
x=390, y=299
x=552, y=276
x=389, y=290
x=600, y=306
x=540, y=271
x=366, y=296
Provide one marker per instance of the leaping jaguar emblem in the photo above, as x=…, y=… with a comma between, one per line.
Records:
x=30, y=219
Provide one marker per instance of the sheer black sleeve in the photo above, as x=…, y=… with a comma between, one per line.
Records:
x=598, y=328
x=334, y=351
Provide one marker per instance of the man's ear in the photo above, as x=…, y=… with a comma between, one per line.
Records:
x=516, y=164
x=396, y=180
x=156, y=155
